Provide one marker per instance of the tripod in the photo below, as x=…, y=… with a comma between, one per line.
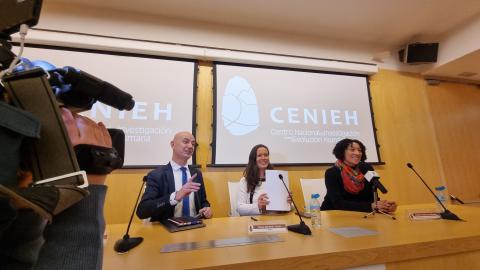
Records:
x=375, y=200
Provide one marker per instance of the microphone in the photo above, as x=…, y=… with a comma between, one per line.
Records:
x=446, y=214
x=126, y=243
x=196, y=197
x=81, y=89
x=373, y=177
x=301, y=228
x=452, y=197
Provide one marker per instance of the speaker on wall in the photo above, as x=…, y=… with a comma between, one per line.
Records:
x=419, y=53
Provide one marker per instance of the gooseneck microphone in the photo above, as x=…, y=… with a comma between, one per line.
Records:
x=301, y=228
x=452, y=197
x=126, y=243
x=446, y=214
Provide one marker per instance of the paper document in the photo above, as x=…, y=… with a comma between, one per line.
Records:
x=276, y=191
x=423, y=215
x=268, y=226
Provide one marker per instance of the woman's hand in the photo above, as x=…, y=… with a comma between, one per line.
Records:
x=289, y=198
x=392, y=206
x=385, y=206
x=262, y=202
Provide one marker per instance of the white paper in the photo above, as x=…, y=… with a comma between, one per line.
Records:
x=276, y=191
x=267, y=226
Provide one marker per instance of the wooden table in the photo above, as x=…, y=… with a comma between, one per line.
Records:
x=401, y=244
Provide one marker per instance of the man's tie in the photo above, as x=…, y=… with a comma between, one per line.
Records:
x=185, y=200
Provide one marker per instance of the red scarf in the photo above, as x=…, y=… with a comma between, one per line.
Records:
x=353, y=180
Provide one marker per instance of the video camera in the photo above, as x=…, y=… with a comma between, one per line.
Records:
x=75, y=89
x=40, y=93
x=14, y=13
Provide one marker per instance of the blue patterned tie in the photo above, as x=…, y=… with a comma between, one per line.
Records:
x=185, y=201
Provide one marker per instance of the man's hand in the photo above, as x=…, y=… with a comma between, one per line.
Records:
x=206, y=212
x=188, y=188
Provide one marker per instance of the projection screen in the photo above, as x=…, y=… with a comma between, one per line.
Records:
x=300, y=115
x=164, y=91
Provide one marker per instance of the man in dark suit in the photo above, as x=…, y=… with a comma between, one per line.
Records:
x=173, y=190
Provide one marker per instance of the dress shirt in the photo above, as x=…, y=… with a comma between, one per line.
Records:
x=177, y=175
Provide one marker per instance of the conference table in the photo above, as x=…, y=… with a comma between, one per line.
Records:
x=396, y=244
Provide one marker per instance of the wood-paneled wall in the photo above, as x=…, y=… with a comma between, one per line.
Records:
x=455, y=110
x=405, y=133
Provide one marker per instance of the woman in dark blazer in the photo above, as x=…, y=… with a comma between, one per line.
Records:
x=347, y=188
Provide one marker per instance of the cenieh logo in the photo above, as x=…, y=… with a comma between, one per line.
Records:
x=239, y=107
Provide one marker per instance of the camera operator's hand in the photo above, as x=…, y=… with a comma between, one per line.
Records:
x=83, y=130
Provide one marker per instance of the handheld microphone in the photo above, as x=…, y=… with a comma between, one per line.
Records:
x=126, y=243
x=373, y=177
x=301, y=228
x=446, y=214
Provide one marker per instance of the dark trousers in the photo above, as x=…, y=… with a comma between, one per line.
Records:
x=21, y=236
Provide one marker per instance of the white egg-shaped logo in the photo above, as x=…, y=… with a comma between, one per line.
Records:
x=239, y=107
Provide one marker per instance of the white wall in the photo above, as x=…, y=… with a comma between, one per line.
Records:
x=137, y=26
x=83, y=19
x=460, y=41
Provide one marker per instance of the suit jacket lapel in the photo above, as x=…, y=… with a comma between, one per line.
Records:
x=170, y=179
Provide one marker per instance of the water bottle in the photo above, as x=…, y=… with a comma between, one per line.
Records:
x=315, y=211
x=440, y=193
